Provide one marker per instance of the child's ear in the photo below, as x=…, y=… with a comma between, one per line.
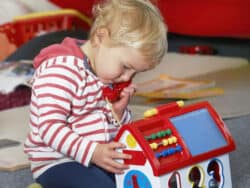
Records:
x=101, y=35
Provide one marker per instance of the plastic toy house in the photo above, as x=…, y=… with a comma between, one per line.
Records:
x=177, y=147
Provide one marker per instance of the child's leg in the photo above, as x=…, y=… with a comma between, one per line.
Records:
x=75, y=175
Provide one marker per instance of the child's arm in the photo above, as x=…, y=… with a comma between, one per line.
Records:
x=54, y=90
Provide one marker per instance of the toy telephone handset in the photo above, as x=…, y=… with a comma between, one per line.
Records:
x=112, y=92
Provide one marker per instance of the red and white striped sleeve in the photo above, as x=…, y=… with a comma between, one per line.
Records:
x=55, y=87
x=127, y=117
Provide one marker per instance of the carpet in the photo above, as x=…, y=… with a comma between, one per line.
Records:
x=230, y=74
x=14, y=125
x=236, y=100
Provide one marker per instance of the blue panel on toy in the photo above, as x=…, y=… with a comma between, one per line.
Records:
x=136, y=178
x=199, y=131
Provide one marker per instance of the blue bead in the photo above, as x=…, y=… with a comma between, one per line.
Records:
x=171, y=151
x=165, y=153
x=178, y=148
x=158, y=155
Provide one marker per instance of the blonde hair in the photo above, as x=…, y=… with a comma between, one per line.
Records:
x=133, y=23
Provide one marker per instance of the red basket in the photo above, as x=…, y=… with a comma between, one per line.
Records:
x=26, y=27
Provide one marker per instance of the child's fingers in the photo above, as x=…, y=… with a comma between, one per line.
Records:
x=131, y=88
x=115, y=167
x=116, y=145
x=108, y=157
x=118, y=167
x=118, y=155
x=128, y=91
x=133, y=85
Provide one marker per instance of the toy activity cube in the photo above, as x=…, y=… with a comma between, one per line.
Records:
x=177, y=147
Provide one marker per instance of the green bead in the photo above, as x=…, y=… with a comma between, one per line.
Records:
x=163, y=133
x=159, y=135
x=153, y=136
x=168, y=132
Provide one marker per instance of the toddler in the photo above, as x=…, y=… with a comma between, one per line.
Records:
x=72, y=124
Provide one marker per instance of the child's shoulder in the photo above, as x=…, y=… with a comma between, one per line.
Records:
x=68, y=47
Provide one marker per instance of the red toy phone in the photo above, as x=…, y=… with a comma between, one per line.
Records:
x=112, y=92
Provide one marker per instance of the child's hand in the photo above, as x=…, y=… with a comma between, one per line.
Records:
x=126, y=94
x=105, y=156
x=128, y=91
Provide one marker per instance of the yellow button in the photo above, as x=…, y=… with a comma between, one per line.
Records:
x=130, y=140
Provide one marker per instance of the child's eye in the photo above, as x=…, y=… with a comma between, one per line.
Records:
x=126, y=67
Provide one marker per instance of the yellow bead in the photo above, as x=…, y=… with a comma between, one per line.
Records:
x=174, y=139
x=170, y=140
x=164, y=142
x=154, y=145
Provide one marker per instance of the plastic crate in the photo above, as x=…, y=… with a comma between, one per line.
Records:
x=24, y=28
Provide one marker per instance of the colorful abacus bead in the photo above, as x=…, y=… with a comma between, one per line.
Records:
x=178, y=148
x=159, y=134
x=172, y=140
x=169, y=151
x=164, y=142
x=168, y=132
x=154, y=146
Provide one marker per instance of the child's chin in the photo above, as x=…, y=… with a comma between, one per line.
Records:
x=106, y=81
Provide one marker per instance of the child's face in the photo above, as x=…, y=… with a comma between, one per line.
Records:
x=118, y=64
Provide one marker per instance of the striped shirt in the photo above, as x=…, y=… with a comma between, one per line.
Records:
x=68, y=114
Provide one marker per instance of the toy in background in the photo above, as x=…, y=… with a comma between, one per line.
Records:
x=177, y=147
x=198, y=49
x=24, y=28
x=168, y=87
